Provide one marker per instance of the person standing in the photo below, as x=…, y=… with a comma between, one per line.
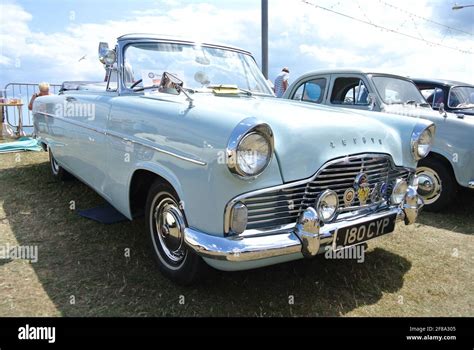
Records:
x=43, y=91
x=281, y=82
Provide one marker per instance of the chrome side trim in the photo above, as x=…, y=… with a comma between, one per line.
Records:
x=74, y=122
x=140, y=142
x=145, y=143
x=303, y=183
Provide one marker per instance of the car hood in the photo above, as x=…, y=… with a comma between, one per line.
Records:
x=410, y=110
x=424, y=112
x=306, y=135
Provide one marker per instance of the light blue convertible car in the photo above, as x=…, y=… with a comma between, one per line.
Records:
x=226, y=174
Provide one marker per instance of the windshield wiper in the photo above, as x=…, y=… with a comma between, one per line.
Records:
x=231, y=87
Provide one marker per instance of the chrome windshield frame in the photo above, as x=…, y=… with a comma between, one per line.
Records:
x=123, y=42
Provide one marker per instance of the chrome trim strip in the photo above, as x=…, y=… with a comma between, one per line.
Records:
x=144, y=143
x=123, y=138
x=74, y=122
x=301, y=183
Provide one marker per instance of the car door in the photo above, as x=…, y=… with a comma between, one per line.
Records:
x=90, y=110
x=349, y=91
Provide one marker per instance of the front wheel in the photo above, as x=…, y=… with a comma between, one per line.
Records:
x=58, y=171
x=436, y=184
x=165, y=223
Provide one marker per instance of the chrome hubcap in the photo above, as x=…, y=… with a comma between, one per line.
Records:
x=429, y=184
x=169, y=228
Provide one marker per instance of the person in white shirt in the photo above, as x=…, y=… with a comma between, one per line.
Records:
x=281, y=82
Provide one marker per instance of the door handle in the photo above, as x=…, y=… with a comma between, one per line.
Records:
x=71, y=99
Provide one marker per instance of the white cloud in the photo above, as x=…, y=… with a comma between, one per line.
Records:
x=301, y=37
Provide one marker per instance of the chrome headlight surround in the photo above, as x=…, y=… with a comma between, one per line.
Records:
x=422, y=140
x=247, y=131
x=327, y=205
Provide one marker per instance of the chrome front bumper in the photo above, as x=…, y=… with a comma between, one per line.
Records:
x=248, y=249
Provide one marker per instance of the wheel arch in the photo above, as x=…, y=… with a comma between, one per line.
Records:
x=140, y=182
x=442, y=159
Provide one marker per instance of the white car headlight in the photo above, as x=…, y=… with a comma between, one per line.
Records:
x=422, y=141
x=250, y=148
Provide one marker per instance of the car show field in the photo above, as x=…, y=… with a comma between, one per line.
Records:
x=85, y=268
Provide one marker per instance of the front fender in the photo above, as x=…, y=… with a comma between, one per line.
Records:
x=161, y=171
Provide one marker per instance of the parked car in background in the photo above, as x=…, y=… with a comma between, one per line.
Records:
x=227, y=174
x=451, y=161
x=452, y=96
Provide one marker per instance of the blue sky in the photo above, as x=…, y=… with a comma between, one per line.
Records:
x=43, y=40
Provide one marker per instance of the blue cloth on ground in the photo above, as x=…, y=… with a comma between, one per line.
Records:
x=105, y=214
x=22, y=144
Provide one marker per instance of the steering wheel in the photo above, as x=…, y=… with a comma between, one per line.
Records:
x=136, y=83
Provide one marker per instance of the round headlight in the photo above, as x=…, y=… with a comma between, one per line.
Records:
x=253, y=154
x=399, y=191
x=250, y=148
x=422, y=141
x=327, y=205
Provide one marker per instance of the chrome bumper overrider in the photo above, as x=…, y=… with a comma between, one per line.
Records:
x=306, y=238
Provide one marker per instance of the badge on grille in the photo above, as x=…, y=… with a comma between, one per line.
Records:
x=349, y=197
x=361, y=184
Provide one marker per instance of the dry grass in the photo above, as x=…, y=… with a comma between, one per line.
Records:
x=422, y=270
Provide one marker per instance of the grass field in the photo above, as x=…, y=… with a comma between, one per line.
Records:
x=421, y=270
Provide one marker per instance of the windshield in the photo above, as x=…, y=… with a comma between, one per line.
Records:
x=198, y=66
x=393, y=90
x=461, y=97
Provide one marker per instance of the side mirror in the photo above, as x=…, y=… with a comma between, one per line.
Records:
x=441, y=108
x=106, y=56
x=372, y=100
x=170, y=84
x=173, y=85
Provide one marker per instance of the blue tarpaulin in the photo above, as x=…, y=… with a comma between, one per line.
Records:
x=22, y=144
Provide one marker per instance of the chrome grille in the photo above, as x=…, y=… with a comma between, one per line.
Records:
x=283, y=205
